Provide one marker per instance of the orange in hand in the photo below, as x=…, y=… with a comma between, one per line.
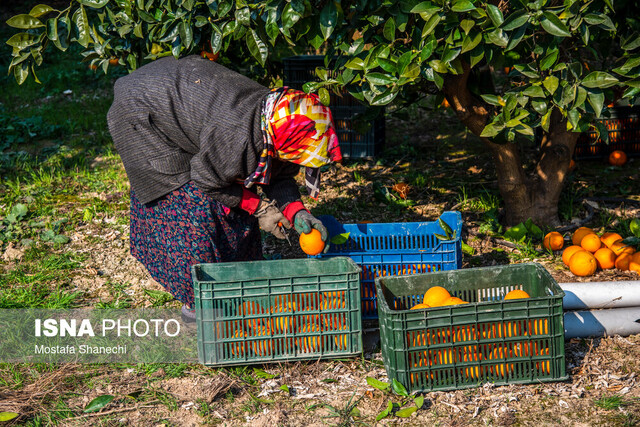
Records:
x=311, y=243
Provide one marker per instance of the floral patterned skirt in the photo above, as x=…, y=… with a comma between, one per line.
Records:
x=187, y=227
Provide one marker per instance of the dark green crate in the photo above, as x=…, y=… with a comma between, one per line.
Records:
x=282, y=310
x=487, y=340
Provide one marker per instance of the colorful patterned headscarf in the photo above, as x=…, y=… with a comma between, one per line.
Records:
x=297, y=128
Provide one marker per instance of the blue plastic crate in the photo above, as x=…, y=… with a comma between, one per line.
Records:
x=395, y=249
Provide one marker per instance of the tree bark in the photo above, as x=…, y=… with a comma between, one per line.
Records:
x=534, y=196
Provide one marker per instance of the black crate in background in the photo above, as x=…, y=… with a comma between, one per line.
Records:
x=624, y=134
x=345, y=109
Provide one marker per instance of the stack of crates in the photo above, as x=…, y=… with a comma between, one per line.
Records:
x=624, y=134
x=281, y=310
x=299, y=70
x=390, y=249
x=488, y=339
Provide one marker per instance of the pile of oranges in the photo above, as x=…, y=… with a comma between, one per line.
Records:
x=438, y=296
x=287, y=325
x=471, y=355
x=590, y=252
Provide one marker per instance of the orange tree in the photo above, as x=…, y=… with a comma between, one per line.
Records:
x=565, y=61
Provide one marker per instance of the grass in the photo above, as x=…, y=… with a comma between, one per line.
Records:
x=610, y=402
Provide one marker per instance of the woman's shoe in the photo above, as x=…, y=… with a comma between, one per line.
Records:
x=188, y=314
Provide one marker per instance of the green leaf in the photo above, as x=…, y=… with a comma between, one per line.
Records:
x=262, y=374
x=447, y=229
x=19, y=211
x=419, y=401
x=399, y=389
x=388, y=65
x=495, y=14
x=377, y=384
x=516, y=233
x=256, y=46
x=61, y=239
x=634, y=226
x=491, y=130
x=285, y=388
x=498, y=37
x=406, y=412
x=96, y=4
x=468, y=249
x=384, y=98
x=462, y=6
x=98, y=403
x=553, y=25
x=599, y=79
x=389, y=30
x=534, y=92
x=22, y=40
x=471, y=41
x=467, y=25
x=545, y=121
x=596, y=100
x=533, y=229
x=430, y=25
x=385, y=413
x=550, y=59
x=24, y=22
x=324, y=96
x=425, y=6
x=41, y=9
x=8, y=416
x=515, y=20
x=379, y=78
x=551, y=84
x=82, y=23
x=328, y=19
x=631, y=43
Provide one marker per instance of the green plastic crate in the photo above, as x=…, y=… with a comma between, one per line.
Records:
x=487, y=340
x=269, y=311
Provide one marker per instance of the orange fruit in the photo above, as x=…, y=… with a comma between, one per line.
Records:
x=435, y=296
x=566, y=254
x=453, y=301
x=113, y=61
x=634, y=266
x=605, y=258
x=238, y=347
x=209, y=55
x=590, y=242
x=617, y=158
x=252, y=308
x=553, y=241
x=93, y=67
x=310, y=343
x=609, y=238
x=420, y=306
x=618, y=247
x=583, y=263
x=284, y=304
x=516, y=294
x=538, y=327
x=501, y=369
x=579, y=234
x=333, y=301
x=623, y=260
x=311, y=243
x=572, y=164
x=262, y=347
x=340, y=340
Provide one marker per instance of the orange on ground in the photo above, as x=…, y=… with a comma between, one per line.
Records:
x=617, y=158
x=583, y=263
x=591, y=242
x=623, y=260
x=311, y=243
x=568, y=252
x=605, y=258
x=634, y=266
x=435, y=296
x=420, y=306
x=609, y=238
x=553, y=241
x=579, y=234
x=516, y=294
x=618, y=247
x=453, y=301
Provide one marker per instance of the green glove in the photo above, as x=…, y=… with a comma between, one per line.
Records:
x=303, y=222
x=270, y=218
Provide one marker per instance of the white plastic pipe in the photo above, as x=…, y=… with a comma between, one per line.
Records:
x=590, y=295
x=594, y=323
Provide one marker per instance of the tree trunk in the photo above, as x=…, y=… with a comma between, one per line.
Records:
x=535, y=196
